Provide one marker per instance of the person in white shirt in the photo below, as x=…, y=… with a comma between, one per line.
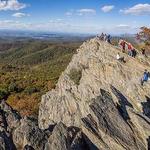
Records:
x=119, y=58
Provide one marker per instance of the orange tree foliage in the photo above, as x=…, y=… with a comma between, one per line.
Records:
x=25, y=104
x=144, y=35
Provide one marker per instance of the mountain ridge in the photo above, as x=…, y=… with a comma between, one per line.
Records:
x=98, y=104
x=81, y=61
x=96, y=60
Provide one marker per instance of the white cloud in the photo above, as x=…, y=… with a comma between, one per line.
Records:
x=81, y=12
x=53, y=26
x=123, y=26
x=68, y=13
x=86, y=11
x=107, y=8
x=139, y=9
x=56, y=22
x=11, y=5
x=59, y=25
x=20, y=15
x=11, y=24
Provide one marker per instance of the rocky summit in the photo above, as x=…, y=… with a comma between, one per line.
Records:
x=98, y=104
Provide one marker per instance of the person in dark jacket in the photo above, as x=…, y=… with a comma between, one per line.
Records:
x=143, y=52
x=109, y=39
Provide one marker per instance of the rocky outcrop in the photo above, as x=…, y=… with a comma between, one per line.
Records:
x=28, y=133
x=111, y=122
x=18, y=133
x=103, y=97
x=64, y=138
x=98, y=104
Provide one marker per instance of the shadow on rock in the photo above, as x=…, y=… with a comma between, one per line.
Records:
x=123, y=102
x=148, y=143
x=109, y=120
x=90, y=144
x=146, y=107
x=91, y=125
x=79, y=140
x=27, y=147
x=68, y=138
x=6, y=141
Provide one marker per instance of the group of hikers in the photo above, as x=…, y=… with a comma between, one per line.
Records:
x=129, y=48
x=105, y=37
x=132, y=52
x=126, y=46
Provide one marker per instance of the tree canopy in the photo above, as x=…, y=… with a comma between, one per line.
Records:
x=144, y=35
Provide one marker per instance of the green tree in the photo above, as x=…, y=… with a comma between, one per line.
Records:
x=3, y=94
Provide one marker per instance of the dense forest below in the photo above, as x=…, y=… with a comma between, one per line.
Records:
x=30, y=68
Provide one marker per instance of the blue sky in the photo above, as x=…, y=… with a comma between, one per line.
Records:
x=78, y=16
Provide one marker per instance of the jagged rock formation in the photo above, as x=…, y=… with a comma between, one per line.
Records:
x=18, y=133
x=103, y=97
x=98, y=104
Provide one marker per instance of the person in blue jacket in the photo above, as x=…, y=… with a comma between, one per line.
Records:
x=145, y=77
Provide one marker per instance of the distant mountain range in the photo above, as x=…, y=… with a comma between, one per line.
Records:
x=50, y=35
x=42, y=35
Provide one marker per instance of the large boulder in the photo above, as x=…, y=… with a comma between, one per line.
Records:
x=64, y=138
x=20, y=133
x=28, y=133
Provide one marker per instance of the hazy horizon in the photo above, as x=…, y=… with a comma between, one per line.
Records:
x=26, y=33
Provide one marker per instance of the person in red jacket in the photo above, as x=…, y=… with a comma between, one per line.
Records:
x=130, y=49
x=123, y=45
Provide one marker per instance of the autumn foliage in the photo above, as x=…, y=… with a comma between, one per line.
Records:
x=144, y=35
x=30, y=69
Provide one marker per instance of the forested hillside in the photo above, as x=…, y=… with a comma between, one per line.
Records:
x=30, y=68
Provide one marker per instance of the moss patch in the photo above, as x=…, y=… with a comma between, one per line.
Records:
x=75, y=76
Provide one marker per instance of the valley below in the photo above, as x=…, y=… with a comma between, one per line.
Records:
x=31, y=67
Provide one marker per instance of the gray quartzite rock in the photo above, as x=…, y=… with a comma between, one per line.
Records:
x=28, y=133
x=83, y=105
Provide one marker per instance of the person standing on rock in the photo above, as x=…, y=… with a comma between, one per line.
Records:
x=134, y=53
x=130, y=50
x=109, y=39
x=122, y=44
x=145, y=77
x=101, y=37
x=143, y=52
x=105, y=37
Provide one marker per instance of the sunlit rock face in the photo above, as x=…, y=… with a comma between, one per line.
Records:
x=107, y=102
